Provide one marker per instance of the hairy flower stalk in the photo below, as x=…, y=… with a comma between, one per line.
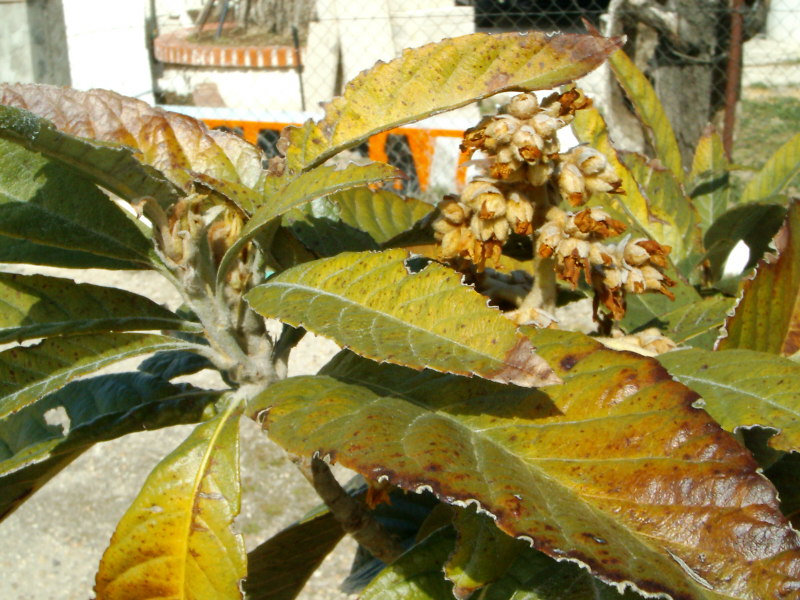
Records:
x=526, y=179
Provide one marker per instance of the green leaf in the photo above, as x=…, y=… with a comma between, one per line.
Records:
x=767, y=316
x=279, y=568
x=650, y=112
x=381, y=213
x=114, y=167
x=177, y=145
x=31, y=372
x=35, y=306
x=171, y=364
x=177, y=538
x=776, y=175
x=405, y=517
x=47, y=210
x=299, y=191
x=709, y=180
x=320, y=227
x=439, y=77
x=665, y=196
x=743, y=388
x=482, y=553
x=784, y=475
x=695, y=324
x=754, y=224
x=102, y=408
x=614, y=469
x=370, y=303
x=535, y=576
x=417, y=574
x=645, y=308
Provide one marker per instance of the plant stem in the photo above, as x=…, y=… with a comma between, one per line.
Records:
x=352, y=515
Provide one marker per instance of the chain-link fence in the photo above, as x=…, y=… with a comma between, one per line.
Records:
x=256, y=65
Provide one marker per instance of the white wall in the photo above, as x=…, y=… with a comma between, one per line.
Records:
x=107, y=46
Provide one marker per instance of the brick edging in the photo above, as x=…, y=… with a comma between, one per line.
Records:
x=174, y=48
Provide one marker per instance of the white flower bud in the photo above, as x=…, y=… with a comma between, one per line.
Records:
x=501, y=128
x=571, y=183
x=546, y=125
x=539, y=173
x=523, y=106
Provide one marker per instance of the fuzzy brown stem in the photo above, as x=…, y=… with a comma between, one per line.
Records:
x=352, y=515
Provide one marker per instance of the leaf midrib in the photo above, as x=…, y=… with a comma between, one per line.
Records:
x=406, y=324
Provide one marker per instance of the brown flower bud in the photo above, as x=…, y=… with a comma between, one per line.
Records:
x=506, y=165
x=596, y=220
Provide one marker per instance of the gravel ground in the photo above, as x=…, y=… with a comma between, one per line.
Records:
x=52, y=544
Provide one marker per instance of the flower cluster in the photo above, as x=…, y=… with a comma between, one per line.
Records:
x=575, y=241
x=525, y=177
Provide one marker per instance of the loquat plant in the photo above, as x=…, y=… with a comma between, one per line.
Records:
x=499, y=455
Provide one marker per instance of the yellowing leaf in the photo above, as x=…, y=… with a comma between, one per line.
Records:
x=614, y=468
x=381, y=213
x=439, y=77
x=780, y=170
x=709, y=178
x=371, y=303
x=174, y=144
x=176, y=540
x=649, y=110
x=767, y=317
x=743, y=388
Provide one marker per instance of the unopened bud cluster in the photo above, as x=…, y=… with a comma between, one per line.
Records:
x=525, y=176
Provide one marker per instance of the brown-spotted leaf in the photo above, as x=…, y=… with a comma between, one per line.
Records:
x=176, y=540
x=767, y=317
x=372, y=303
x=175, y=144
x=614, y=468
x=439, y=77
